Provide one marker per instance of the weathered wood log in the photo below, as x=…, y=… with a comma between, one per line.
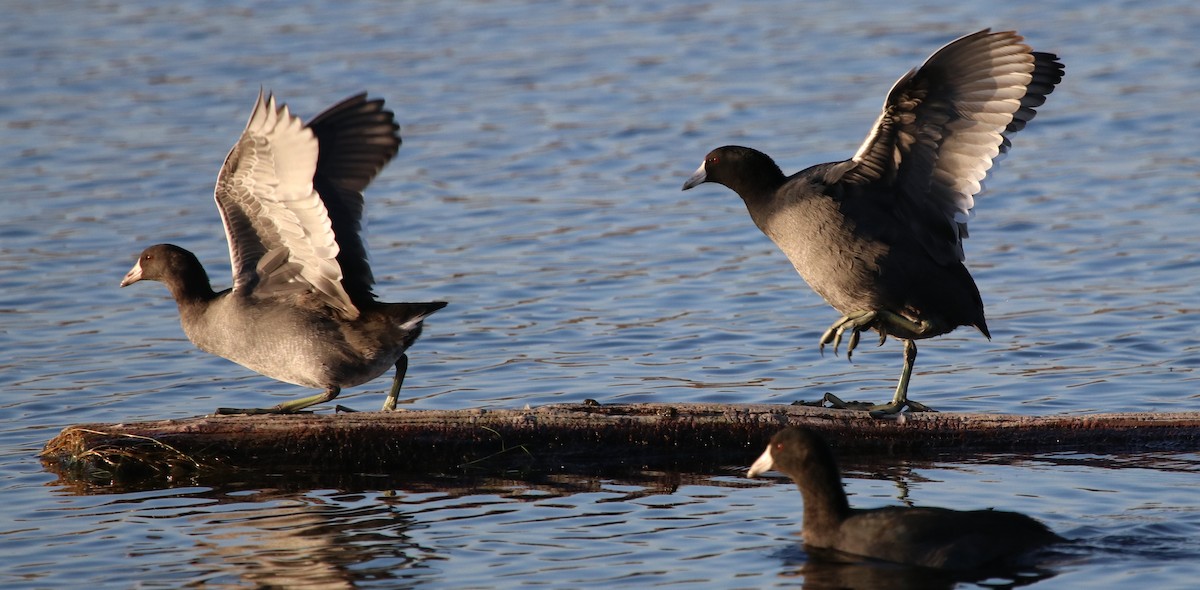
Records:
x=569, y=438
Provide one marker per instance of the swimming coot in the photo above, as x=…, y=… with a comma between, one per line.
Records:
x=301, y=309
x=928, y=537
x=879, y=236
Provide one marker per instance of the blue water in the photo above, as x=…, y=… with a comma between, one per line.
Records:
x=538, y=191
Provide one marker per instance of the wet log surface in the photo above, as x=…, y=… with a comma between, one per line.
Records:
x=577, y=439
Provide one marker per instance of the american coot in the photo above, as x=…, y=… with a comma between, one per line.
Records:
x=928, y=537
x=301, y=308
x=879, y=236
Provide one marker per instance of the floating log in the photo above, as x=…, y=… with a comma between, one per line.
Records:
x=581, y=439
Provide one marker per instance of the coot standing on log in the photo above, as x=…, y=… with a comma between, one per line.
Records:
x=301, y=309
x=923, y=536
x=879, y=236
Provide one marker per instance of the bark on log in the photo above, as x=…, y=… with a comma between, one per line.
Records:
x=577, y=439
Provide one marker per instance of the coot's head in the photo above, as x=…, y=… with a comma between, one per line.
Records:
x=162, y=262
x=750, y=173
x=796, y=452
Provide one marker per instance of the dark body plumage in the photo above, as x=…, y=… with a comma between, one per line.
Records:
x=923, y=536
x=301, y=309
x=879, y=236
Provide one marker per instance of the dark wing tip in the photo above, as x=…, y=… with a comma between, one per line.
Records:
x=358, y=138
x=1048, y=72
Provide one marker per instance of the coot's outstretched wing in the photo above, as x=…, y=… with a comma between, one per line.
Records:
x=357, y=137
x=280, y=236
x=944, y=123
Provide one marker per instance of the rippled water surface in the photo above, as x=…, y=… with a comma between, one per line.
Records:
x=538, y=191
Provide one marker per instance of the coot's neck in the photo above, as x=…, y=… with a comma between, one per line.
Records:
x=758, y=189
x=825, y=503
x=190, y=288
x=758, y=185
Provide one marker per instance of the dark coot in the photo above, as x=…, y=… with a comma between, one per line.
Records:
x=879, y=236
x=301, y=309
x=927, y=537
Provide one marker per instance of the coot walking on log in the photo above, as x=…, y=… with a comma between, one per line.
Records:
x=301, y=309
x=928, y=537
x=879, y=236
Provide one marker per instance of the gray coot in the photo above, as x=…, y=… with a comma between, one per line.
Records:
x=928, y=537
x=879, y=236
x=301, y=309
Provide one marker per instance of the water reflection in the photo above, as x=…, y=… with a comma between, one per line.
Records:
x=306, y=543
x=718, y=529
x=837, y=571
x=297, y=539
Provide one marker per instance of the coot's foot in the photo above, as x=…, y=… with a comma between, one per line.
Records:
x=892, y=408
x=835, y=403
x=292, y=407
x=856, y=322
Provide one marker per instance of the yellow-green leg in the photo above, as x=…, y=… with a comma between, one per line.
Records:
x=900, y=398
x=884, y=322
x=389, y=404
x=291, y=407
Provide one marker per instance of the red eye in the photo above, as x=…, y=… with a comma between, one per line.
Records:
x=713, y=160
